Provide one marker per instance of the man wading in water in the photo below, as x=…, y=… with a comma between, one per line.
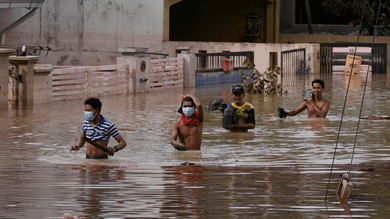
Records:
x=189, y=127
x=244, y=110
x=98, y=130
x=317, y=107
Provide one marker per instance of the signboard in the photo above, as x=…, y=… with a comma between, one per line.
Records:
x=357, y=64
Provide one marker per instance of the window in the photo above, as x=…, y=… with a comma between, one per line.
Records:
x=319, y=14
x=253, y=24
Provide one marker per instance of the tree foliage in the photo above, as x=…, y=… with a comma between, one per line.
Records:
x=343, y=7
x=266, y=83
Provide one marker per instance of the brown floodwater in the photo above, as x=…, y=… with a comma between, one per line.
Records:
x=278, y=170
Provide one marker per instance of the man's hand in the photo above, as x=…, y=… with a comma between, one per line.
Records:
x=111, y=151
x=310, y=101
x=180, y=147
x=74, y=148
x=282, y=113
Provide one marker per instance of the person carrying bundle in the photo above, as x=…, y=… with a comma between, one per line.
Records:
x=238, y=116
x=316, y=105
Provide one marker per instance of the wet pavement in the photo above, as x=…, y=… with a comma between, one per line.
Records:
x=279, y=169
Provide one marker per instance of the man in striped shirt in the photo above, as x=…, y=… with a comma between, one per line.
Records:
x=97, y=130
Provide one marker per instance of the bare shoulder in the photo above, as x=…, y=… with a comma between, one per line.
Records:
x=177, y=123
x=326, y=100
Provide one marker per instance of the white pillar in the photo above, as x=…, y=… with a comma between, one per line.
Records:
x=4, y=75
x=139, y=65
x=43, y=86
x=189, y=64
x=26, y=70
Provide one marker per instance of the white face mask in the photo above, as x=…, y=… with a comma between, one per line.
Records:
x=188, y=111
x=89, y=115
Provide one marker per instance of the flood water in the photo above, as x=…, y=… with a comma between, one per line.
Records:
x=278, y=170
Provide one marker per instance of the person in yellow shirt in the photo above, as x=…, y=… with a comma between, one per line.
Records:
x=243, y=110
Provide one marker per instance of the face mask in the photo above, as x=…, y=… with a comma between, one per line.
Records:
x=188, y=111
x=89, y=116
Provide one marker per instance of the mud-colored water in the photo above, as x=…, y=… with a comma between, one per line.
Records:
x=279, y=169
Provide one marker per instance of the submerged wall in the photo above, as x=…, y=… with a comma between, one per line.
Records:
x=87, y=32
x=220, y=77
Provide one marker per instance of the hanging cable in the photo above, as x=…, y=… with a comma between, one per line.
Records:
x=345, y=102
x=364, y=90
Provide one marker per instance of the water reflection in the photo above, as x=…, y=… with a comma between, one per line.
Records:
x=97, y=188
x=247, y=192
x=187, y=188
x=354, y=80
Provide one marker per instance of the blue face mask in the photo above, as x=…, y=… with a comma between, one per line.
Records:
x=89, y=116
x=188, y=111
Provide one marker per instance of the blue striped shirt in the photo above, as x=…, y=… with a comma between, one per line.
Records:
x=102, y=131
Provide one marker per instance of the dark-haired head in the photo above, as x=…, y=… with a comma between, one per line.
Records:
x=94, y=102
x=187, y=98
x=318, y=81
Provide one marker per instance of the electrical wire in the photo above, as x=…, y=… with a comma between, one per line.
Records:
x=364, y=90
x=345, y=103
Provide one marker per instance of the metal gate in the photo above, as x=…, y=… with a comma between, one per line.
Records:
x=378, y=56
x=293, y=64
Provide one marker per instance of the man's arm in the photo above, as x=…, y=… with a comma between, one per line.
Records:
x=249, y=122
x=121, y=144
x=80, y=143
x=175, y=135
x=251, y=119
x=199, y=107
x=297, y=110
x=325, y=108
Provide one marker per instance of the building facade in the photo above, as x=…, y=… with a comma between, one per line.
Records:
x=90, y=32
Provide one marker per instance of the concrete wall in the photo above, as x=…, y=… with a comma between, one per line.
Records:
x=88, y=32
x=261, y=51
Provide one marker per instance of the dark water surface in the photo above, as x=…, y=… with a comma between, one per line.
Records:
x=278, y=170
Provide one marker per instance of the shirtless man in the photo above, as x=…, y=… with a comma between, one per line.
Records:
x=99, y=130
x=315, y=108
x=244, y=111
x=189, y=127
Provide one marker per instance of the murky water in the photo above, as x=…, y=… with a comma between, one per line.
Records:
x=280, y=169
